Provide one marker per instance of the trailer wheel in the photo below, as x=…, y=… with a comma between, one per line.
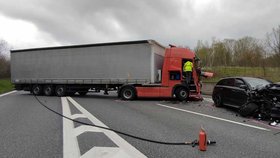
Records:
x=248, y=109
x=181, y=93
x=60, y=90
x=128, y=93
x=37, y=89
x=48, y=90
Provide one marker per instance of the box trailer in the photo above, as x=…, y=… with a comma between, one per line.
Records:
x=66, y=70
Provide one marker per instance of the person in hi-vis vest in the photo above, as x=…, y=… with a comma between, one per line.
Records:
x=187, y=69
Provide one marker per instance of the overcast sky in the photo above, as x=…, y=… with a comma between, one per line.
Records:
x=40, y=23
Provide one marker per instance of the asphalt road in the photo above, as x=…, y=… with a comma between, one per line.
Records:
x=30, y=130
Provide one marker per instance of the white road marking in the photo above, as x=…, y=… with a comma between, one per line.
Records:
x=70, y=143
x=83, y=128
x=75, y=116
x=105, y=152
x=2, y=95
x=214, y=117
x=208, y=99
x=124, y=148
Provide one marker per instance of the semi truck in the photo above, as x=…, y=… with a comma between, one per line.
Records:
x=136, y=69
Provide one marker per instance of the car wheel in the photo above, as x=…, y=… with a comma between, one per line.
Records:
x=182, y=93
x=37, y=89
x=128, y=93
x=248, y=109
x=48, y=90
x=218, y=100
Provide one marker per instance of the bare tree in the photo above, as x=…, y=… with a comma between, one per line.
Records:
x=221, y=55
x=248, y=52
x=203, y=51
x=273, y=43
x=4, y=59
x=273, y=40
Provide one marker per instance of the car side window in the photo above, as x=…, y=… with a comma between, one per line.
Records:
x=222, y=82
x=226, y=82
x=230, y=82
x=238, y=83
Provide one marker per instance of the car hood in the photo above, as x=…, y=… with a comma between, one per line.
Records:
x=272, y=90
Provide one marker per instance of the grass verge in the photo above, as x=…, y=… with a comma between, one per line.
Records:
x=5, y=85
x=270, y=73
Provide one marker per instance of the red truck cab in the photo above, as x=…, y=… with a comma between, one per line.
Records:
x=172, y=81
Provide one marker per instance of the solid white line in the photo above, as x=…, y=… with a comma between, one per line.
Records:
x=2, y=95
x=70, y=143
x=124, y=145
x=213, y=117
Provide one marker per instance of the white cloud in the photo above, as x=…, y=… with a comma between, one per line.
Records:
x=23, y=34
x=181, y=22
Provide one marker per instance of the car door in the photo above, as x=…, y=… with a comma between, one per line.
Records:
x=227, y=91
x=238, y=93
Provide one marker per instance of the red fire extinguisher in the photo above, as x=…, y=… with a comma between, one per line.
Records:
x=202, y=140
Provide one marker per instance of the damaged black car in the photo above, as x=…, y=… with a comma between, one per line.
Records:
x=252, y=96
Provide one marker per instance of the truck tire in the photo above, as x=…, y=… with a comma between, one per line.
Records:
x=128, y=93
x=60, y=90
x=37, y=89
x=181, y=93
x=218, y=101
x=248, y=109
x=48, y=90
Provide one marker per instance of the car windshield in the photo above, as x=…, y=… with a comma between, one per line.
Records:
x=257, y=82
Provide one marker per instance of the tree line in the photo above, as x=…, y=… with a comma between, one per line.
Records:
x=245, y=52
x=4, y=60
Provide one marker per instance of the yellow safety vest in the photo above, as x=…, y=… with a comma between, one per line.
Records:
x=188, y=66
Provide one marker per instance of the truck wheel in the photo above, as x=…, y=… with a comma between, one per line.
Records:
x=182, y=93
x=248, y=109
x=128, y=93
x=60, y=91
x=217, y=100
x=48, y=90
x=37, y=89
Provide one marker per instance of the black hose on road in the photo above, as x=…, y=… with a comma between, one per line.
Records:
x=193, y=143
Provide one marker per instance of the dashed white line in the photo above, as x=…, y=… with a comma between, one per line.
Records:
x=214, y=117
x=2, y=95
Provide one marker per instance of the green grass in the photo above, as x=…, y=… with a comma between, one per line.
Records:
x=6, y=85
x=270, y=73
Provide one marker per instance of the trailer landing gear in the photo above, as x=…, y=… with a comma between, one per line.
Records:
x=106, y=92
